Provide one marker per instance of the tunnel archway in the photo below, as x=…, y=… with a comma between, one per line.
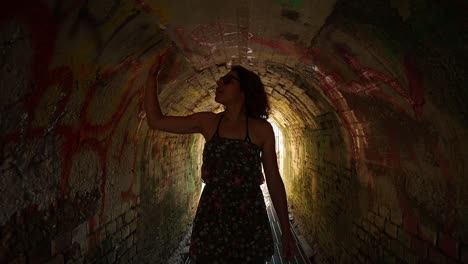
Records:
x=369, y=97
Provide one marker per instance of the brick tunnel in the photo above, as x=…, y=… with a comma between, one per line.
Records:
x=369, y=98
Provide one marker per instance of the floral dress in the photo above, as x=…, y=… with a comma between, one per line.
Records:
x=231, y=223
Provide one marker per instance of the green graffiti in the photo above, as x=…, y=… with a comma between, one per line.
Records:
x=291, y=3
x=191, y=165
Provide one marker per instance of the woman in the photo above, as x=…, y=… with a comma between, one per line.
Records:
x=231, y=224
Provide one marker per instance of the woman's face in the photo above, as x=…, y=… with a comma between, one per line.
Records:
x=228, y=89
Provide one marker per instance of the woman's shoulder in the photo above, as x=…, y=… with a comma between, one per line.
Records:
x=260, y=130
x=206, y=119
x=262, y=126
x=262, y=123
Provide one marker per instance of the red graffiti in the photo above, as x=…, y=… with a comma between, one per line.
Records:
x=198, y=37
x=370, y=83
x=161, y=61
x=306, y=55
x=371, y=80
x=180, y=34
x=82, y=135
x=129, y=194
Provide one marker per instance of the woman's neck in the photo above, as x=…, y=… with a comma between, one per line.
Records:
x=233, y=113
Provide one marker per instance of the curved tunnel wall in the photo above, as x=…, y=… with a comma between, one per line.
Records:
x=370, y=99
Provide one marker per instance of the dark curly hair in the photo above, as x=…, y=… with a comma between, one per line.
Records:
x=256, y=101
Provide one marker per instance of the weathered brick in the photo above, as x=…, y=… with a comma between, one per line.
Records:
x=428, y=234
x=125, y=207
x=410, y=224
x=119, y=222
x=388, y=258
x=409, y=257
x=373, y=251
x=56, y=260
x=374, y=232
x=379, y=222
x=111, y=227
x=375, y=208
x=361, y=257
x=19, y=260
x=361, y=234
x=354, y=250
x=129, y=241
x=61, y=243
x=40, y=253
x=385, y=242
x=448, y=245
x=107, y=245
x=125, y=257
x=133, y=251
x=133, y=226
x=396, y=217
x=80, y=232
x=118, y=235
x=280, y=89
x=74, y=252
x=436, y=257
x=120, y=250
x=419, y=247
x=129, y=216
x=391, y=229
x=464, y=254
x=451, y=261
x=383, y=211
x=404, y=238
x=397, y=247
x=102, y=234
x=111, y=256
x=366, y=225
x=125, y=232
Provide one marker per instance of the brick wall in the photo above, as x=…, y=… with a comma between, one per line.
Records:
x=169, y=195
x=372, y=107
x=82, y=177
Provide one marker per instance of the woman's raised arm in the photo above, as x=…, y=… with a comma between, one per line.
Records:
x=193, y=123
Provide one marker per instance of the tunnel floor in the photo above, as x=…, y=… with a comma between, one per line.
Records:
x=303, y=251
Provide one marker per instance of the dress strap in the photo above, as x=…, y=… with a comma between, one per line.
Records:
x=247, y=136
x=219, y=122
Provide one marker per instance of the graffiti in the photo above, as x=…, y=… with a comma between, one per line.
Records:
x=129, y=194
x=200, y=50
x=180, y=35
x=84, y=134
x=371, y=80
x=370, y=83
x=198, y=36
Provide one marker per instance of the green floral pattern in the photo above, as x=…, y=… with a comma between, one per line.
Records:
x=231, y=223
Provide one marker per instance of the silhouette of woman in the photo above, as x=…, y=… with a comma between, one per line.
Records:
x=231, y=223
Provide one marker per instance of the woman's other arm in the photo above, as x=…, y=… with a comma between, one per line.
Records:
x=277, y=192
